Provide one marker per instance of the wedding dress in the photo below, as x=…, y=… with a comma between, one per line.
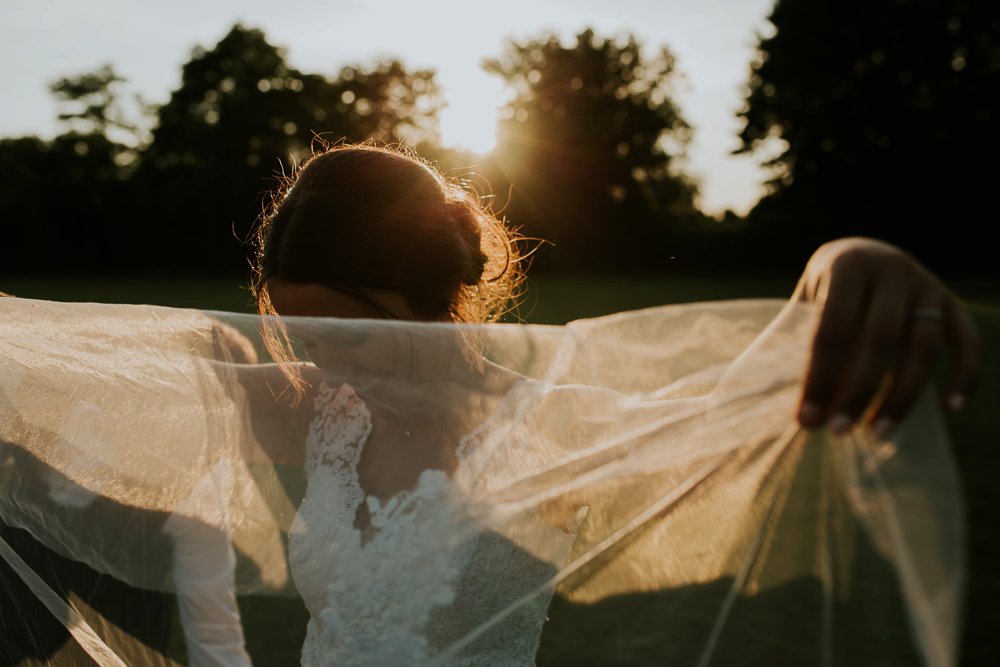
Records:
x=359, y=617
x=432, y=493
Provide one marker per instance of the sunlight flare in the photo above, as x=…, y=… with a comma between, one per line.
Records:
x=469, y=121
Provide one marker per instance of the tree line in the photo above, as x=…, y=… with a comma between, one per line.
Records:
x=874, y=118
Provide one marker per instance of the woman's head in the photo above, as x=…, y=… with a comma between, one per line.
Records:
x=383, y=228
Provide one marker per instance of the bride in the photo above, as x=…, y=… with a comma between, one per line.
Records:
x=457, y=475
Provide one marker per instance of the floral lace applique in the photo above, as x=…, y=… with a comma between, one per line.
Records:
x=364, y=607
x=419, y=583
x=336, y=436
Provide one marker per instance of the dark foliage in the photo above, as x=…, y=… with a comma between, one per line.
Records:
x=103, y=198
x=878, y=118
x=885, y=118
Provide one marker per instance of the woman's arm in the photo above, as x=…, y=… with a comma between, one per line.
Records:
x=884, y=318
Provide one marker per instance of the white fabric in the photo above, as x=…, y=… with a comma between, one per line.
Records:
x=361, y=611
x=203, y=573
x=435, y=485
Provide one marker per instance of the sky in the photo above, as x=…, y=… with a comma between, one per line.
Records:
x=148, y=40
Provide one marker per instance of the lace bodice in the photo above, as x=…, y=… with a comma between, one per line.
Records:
x=364, y=608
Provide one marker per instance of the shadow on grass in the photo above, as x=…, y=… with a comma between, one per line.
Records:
x=791, y=625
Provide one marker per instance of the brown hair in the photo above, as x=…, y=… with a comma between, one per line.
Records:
x=367, y=216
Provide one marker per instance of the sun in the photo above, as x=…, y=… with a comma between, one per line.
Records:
x=470, y=118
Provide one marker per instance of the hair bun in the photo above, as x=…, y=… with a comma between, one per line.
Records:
x=473, y=260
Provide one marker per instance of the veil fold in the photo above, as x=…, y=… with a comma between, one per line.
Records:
x=639, y=477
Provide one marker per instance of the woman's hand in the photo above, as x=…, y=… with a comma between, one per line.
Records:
x=884, y=318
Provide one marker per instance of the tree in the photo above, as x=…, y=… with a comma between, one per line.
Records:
x=242, y=115
x=68, y=196
x=886, y=110
x=90, y=103
x=91, y=110
x=181, y=200
x=384, y=101
x=22, y=161
x=590, y=142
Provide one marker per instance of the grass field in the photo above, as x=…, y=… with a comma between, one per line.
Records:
x=547, y=300
x=976, y=432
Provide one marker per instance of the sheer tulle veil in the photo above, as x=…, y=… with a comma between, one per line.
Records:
x=639, y=478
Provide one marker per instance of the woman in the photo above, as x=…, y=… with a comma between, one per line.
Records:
x=367, y=232
x=457, y=475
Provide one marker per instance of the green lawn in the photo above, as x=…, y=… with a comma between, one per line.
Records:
x=229, y=295
x=976, y=432
x=547, y=300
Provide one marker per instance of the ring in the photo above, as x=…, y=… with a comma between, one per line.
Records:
x=928, y=314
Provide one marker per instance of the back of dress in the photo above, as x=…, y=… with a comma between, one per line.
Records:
x=401, y=591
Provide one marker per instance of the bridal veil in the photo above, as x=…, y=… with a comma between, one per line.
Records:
x=643, y=470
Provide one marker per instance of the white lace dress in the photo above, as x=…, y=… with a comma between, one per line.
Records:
x=399, y=594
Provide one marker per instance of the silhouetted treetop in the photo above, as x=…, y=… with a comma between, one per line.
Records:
x=242, y=115
x=243, y=98
x=590, y=139
x=884, y=111
x=89, y=102
x=598, y=95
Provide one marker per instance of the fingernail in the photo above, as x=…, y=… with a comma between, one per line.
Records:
x=956, y=402
x=882, y=427
x=841, y=423
x=809, y=414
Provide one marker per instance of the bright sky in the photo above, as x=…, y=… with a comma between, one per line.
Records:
x=148, y=40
